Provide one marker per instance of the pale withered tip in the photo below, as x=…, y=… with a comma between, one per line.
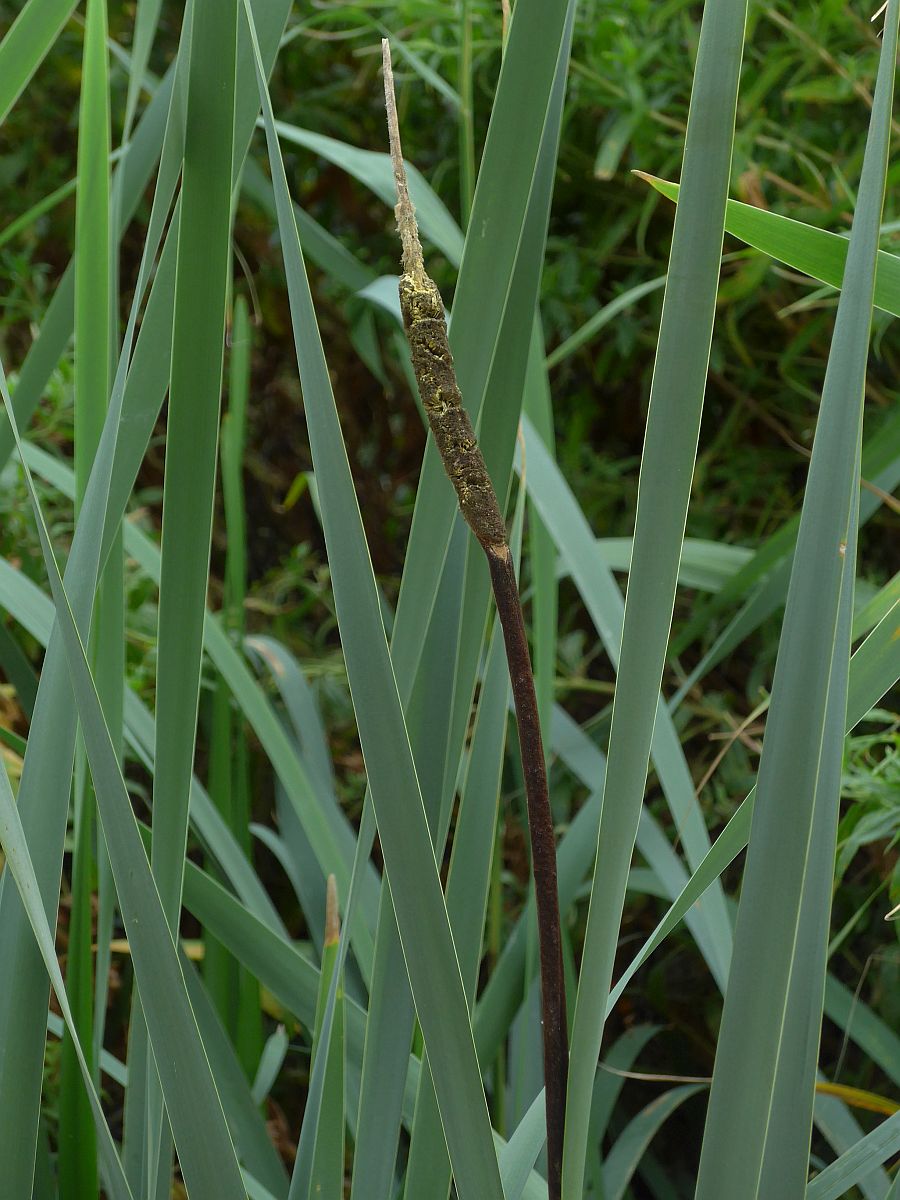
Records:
x=332, y=915
x=411, y=253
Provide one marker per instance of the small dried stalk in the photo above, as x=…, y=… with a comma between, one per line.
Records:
x=426, y=332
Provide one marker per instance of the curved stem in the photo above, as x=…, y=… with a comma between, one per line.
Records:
x=543, y=857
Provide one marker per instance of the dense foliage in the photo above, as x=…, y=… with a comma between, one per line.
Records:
x=804, y=107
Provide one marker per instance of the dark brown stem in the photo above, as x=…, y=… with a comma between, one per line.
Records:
x=543, y=857
x=426, y=331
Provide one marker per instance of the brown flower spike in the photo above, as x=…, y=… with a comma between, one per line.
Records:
x=426, y=332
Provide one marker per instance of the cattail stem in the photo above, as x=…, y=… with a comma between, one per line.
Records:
x=543, y=857
x=426, y=332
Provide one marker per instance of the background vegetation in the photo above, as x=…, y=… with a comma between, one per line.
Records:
x=805, y=99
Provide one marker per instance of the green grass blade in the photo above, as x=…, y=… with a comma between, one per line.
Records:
x=46, y=777
x=815, y=252
x=538, y=406
x=676, y=402
x=192, y=429
x=316, y=755
x=518, y=1155
x=607, y=1089
x=26, y=43
x=205, y=1150
x=384, y=1073
x=44, y=1180
x=323, y=823
x=786, y=1162
x=139, y=162
x=867, y=616
x=212, y=832
x=201, y=286
x=303, y=712
x=275, y=961
x=15, y=847
x=31, y=215
x=20, y=673
x=327, y=1168
x=428, y=1171
x=93, y=324
x=876, y=1147
x=327, y=1083
x=842, y=1132
x=878, y=1041
x=765, y=576
x=131, y=178
x=234, y=437
x=53, y=722
x=145, y=21
x=270, y=1063
x=632, y=1142
x=328, y=829
x=92, y=249
x=12, y=741
x=706, y=566
x=219, y=969
x=872, y=673
x=419, y=904
x=242, y=1110
x=465, y=113
x=749, y=1041
x=877, y=664
x=44, y=791
x=391, y=1015
x=601, y=319
x=228, y=781
x=600, y=593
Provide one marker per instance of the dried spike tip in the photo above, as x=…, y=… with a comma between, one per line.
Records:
x=426, y=332
x=332, y=914
x=411, y=253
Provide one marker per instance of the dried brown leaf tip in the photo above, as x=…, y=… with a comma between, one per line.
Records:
x=332, y=914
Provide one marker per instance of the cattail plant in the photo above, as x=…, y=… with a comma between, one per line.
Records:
x=381, y=1007
x=426, y=332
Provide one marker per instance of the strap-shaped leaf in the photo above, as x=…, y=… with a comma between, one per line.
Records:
x=748, y=1056
x=670, y=446
x=201, y=1134
x=409, y=857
